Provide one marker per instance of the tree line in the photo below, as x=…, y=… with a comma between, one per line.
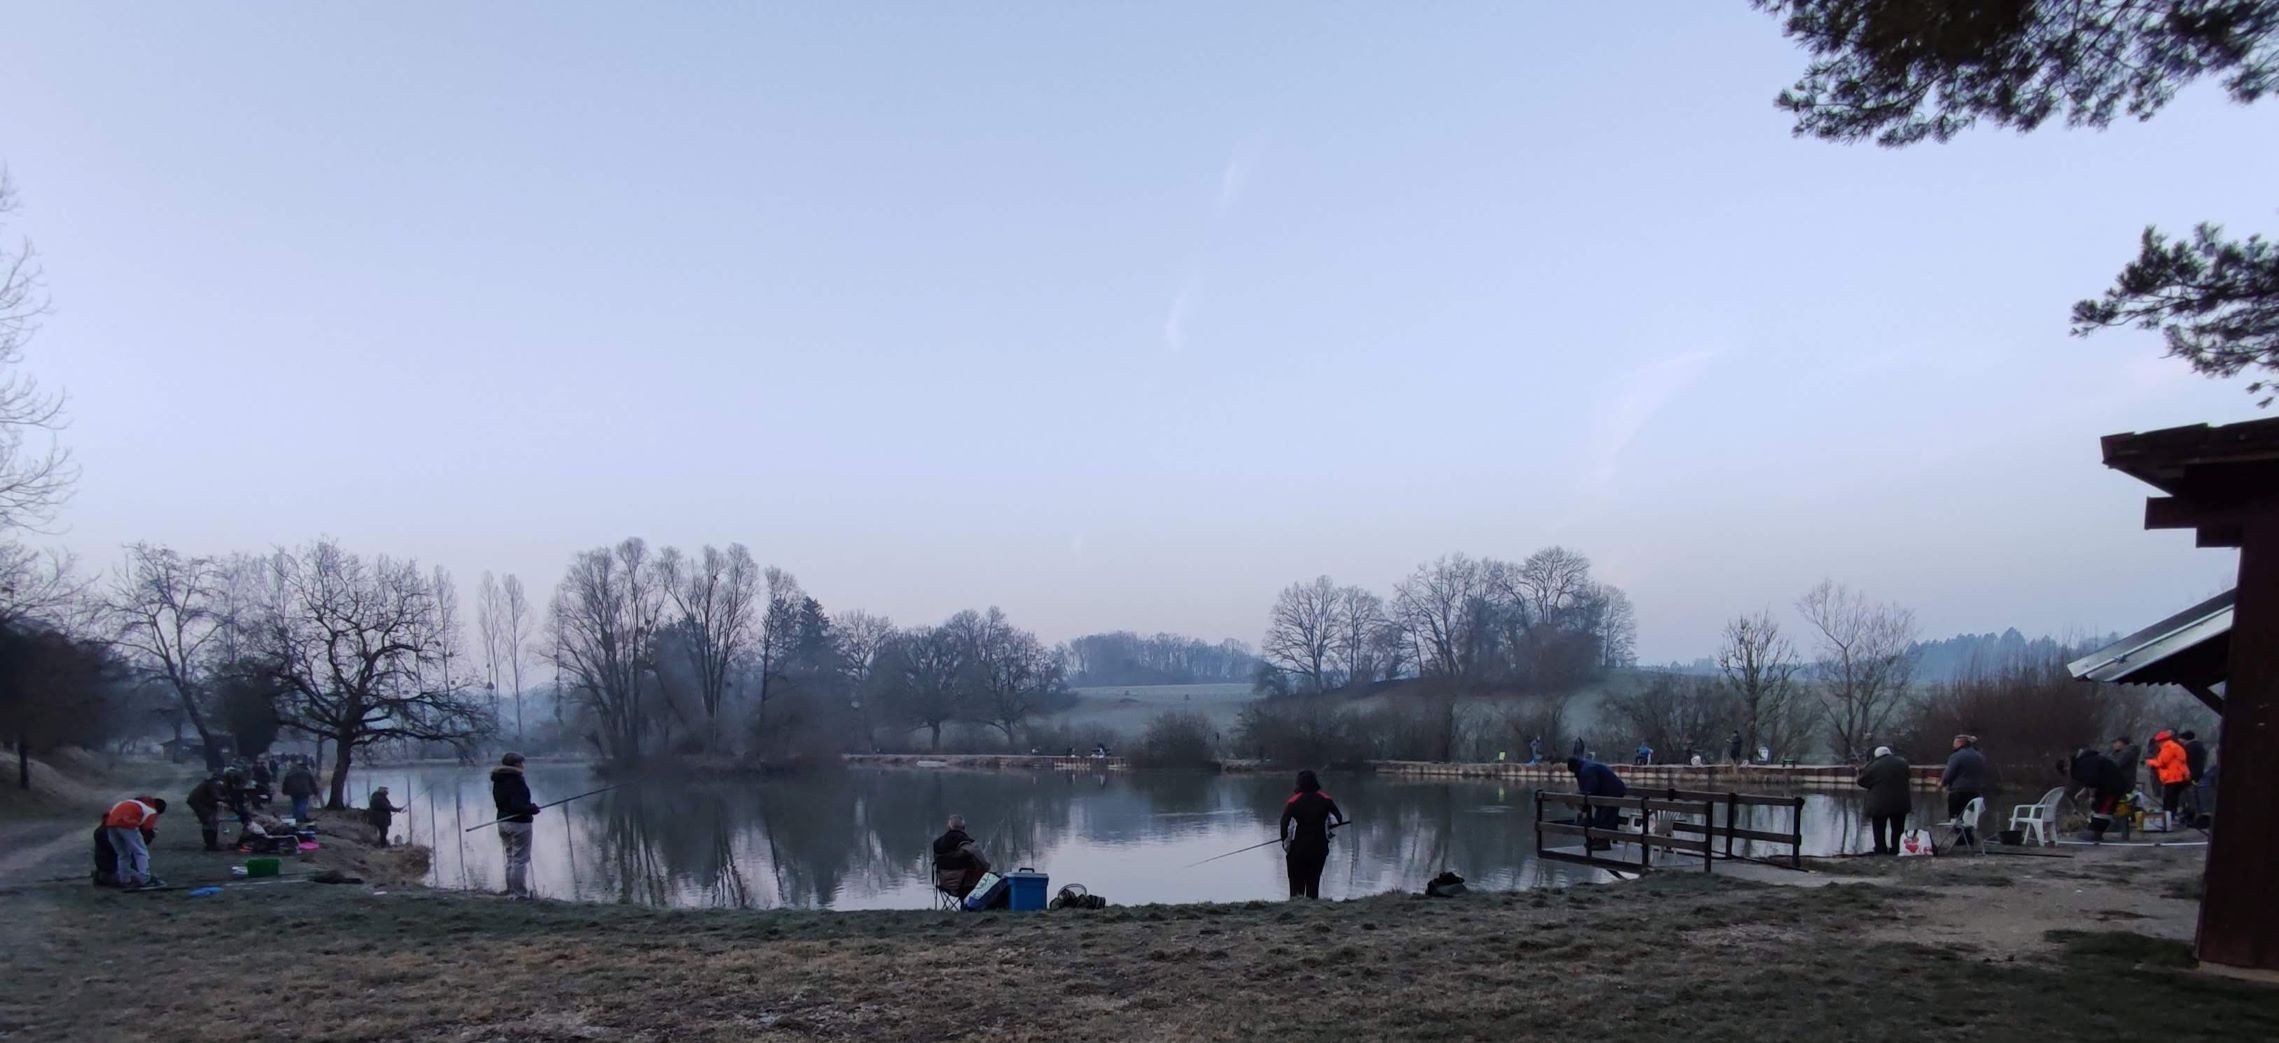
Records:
x=1475, y=625
x=1122, y=657
x=711, y=653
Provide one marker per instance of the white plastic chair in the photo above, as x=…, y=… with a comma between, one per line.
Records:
x=1965, y=825
x=2038, y=821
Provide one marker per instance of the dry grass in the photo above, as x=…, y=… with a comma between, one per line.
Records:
x=1675, y=957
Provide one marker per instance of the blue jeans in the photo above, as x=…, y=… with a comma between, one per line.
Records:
x=300, y=809
x=134, y=856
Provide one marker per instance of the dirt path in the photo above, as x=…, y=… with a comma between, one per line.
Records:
x=39, y=851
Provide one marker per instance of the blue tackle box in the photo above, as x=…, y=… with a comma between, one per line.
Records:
x=1029, y=888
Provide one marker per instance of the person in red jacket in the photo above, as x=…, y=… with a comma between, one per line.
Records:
x=2172, y=769
x=131, y=825
x=1307, y=819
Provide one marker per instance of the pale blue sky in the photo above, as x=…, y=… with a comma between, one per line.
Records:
x=1112, y=317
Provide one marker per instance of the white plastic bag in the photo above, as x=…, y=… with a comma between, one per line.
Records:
x=1915, y=842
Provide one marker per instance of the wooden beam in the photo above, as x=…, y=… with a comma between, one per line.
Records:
x=2207, y=697
x=2239, y=923
x=2219, y=535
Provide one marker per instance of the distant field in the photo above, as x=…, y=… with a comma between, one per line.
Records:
x=1129, y=708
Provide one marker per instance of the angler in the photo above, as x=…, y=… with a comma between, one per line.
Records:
x=1307, y=818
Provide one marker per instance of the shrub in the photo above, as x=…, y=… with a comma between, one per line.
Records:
x=1176, y=740
x=1301, y=731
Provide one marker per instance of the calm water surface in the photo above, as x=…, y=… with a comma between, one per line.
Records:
x=859, y=838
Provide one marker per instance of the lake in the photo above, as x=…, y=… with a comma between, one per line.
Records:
x=859, y=838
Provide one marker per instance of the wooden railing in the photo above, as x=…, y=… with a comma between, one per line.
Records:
x=1838, y=777
x=1660, y=819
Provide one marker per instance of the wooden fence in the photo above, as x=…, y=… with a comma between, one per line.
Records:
x=1660, y=819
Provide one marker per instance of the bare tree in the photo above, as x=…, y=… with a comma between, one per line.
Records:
x=1616, y=629
x=863, y=636
x=43, y=589
x=605, y=616
x=925, y=687
x=1862, y=662
x=1012, y=675
x=714, y=596
x=165, y=610
x=36, y=474
x=1302, y=633
x=1359, y=654
x=779, y=624
x=515, y=641
x=360, y=648
x=1550, y=582
x=1760, y=665
x=1440, y=607
x=490, y=629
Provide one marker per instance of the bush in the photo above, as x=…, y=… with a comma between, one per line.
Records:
x=1176, y=740
x=1301, y=731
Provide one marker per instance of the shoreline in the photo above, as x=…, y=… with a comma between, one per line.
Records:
x=1816, y=777
x=2017, y=944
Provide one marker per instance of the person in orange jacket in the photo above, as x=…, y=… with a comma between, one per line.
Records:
x=2172, y=769
x=131, y=825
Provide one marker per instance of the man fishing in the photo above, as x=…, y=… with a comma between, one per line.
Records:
x=1593, y=779
x=380, y=812
x=511, y=794
x=958, y=861
x=1307, y=818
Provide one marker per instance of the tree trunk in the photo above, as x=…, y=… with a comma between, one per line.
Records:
x=338, y=801
x=23, y=760
x=936, y=726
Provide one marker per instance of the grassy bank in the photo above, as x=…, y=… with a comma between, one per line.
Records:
x=1669, y=957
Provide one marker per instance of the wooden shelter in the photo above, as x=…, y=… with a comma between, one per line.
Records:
x=2223, y=483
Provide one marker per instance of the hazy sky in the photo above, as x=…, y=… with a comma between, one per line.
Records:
x=1117, y=317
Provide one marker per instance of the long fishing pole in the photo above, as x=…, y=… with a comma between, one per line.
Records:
x=1255, y=847
x=542, y=807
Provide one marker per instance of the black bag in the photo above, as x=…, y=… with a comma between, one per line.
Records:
x=1446, y=885
x=1074, y=896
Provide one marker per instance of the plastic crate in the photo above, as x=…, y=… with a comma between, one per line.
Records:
x=1030, y=889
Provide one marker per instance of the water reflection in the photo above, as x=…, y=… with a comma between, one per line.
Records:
x=859, y=838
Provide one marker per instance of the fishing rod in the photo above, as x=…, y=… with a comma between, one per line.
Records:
x=1255, y=847
x=542, y=807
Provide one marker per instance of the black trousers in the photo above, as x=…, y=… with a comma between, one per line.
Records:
x=1887, y=830
x=2172, y=796
x=1305, y=862
x=209, y=828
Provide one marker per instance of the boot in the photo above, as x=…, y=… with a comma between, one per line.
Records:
x=213, y=839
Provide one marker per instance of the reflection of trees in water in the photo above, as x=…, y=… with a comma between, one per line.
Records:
x=852, y=836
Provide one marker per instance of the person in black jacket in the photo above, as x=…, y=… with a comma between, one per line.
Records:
x=2107, y=785
x=2129, y=757
x=1888, y=780
x=511, y=794
x=2196, y=762
x=958, y=861
x=1593, y=779
x=206, y=803
x=380, y=813
x=1307, y=818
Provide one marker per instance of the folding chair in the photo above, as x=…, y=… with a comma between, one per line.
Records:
x=1965, y=825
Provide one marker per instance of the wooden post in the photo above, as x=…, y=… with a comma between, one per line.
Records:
x=1796, y=836
x=2239, y=923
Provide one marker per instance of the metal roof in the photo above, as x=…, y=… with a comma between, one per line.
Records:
x=2190, y=648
